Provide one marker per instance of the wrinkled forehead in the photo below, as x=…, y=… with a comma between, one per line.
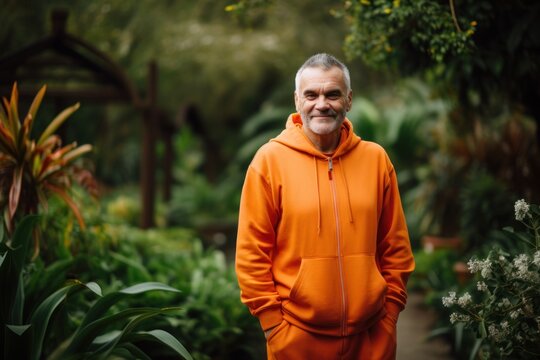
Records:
x=317, y=77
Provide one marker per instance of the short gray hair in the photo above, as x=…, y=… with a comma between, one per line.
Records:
x=326, y=62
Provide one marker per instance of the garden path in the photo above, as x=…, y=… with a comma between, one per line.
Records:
x=414, y=325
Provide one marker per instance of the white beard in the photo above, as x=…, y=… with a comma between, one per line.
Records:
x=321, y=126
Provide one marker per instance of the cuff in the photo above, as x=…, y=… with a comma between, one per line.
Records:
x=270, y=318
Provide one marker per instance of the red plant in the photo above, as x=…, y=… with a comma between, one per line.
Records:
x=33, y=170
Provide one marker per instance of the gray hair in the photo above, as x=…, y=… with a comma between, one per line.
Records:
x=326, y=62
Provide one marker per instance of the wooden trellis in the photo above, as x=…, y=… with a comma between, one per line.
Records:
x=74, y=70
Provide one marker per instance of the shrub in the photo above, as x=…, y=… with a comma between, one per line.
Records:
x=504, y=311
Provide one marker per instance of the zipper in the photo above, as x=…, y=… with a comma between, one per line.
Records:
x=339, y=252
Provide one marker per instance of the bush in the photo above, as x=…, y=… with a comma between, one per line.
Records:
x=504, y=311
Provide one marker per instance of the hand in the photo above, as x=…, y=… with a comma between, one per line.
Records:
x=268, y=332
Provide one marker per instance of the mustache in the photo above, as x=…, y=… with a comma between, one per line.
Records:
x=329, y=112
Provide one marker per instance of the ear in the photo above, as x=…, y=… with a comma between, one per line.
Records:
x=296, y=101
x=349, y=101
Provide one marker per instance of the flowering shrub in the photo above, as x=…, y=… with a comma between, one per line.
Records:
x=504, y=311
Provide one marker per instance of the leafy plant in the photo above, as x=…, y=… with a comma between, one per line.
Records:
x=504, y=312
x=26, y=326
x=32, y=169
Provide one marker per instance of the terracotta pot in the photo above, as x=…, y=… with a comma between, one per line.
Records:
x=431, y=243
x=462, y=273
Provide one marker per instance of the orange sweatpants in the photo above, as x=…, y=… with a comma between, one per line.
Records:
x=288, y=342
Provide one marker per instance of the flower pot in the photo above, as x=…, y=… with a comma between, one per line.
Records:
x=431, y=243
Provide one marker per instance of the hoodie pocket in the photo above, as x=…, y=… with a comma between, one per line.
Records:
x=365, y=288
x=315, y=296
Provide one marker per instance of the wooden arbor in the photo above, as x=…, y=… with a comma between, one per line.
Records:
x=75, y=70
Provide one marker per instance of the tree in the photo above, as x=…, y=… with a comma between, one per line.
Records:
x=486, y=52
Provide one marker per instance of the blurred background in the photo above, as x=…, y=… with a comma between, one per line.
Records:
x=176, y=97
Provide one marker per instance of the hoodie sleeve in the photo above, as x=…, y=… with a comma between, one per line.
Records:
x=394, y=249
x=254, y=248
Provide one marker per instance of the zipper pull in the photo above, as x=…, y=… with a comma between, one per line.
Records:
x=330, y=168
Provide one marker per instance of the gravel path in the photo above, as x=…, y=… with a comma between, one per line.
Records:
x=415, y=323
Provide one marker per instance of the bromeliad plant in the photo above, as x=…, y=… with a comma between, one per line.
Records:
x=32, y=169
x=504, y=313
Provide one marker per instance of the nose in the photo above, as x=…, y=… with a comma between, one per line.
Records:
x=321, y=103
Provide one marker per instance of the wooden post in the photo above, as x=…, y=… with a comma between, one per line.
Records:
x=148, y=156
x=168, y=164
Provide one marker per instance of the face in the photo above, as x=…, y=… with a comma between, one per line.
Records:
x=322, y=100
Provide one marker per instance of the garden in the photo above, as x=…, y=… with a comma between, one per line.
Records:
x=125, y=135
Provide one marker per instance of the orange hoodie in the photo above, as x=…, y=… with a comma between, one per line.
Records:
x=322, y=241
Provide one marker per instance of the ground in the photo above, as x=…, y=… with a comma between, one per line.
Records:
x=414, y=325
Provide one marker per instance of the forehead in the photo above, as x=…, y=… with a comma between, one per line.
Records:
x=316, y=77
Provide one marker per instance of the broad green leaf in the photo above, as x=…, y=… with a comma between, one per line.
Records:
x=134, y=352
x=105, y=338
x=147, y=286
x=52, y=277
x=42, y=315
x=167, y=339
x=21, y=240
x=106, y=349
x=16, y=315
x=95, y=288
x=18, y=329
x=86, y=334
x=58, y=120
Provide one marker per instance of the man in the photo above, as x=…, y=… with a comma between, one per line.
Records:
x=323, y=253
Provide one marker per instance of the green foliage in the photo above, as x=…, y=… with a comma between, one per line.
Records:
x=406, y=34
x=26, y=319
x=503, y=312
x=196, y=201
x=213, y=323
x=484, y=208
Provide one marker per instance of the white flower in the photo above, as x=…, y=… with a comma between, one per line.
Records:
x=482, y=266
x=521, y=264
x=515, y=314
x=522, y=209
x=536, y=259
x=465, y=299
x=474, y=265
x=455, y=317
x=449, y=300
x=504, y=303
x=497, y=334
x=481, y=286
x=486, y=269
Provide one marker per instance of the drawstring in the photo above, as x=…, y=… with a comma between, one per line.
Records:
x=318, y=197
x=343, y=175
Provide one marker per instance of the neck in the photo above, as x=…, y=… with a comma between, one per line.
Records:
x=326, y=144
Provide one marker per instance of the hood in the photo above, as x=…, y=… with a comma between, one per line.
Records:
x=293, y=136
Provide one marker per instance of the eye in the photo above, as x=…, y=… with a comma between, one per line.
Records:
x=310, y=96
x=334, y=96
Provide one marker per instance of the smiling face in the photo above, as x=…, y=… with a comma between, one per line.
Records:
x=322, y=99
